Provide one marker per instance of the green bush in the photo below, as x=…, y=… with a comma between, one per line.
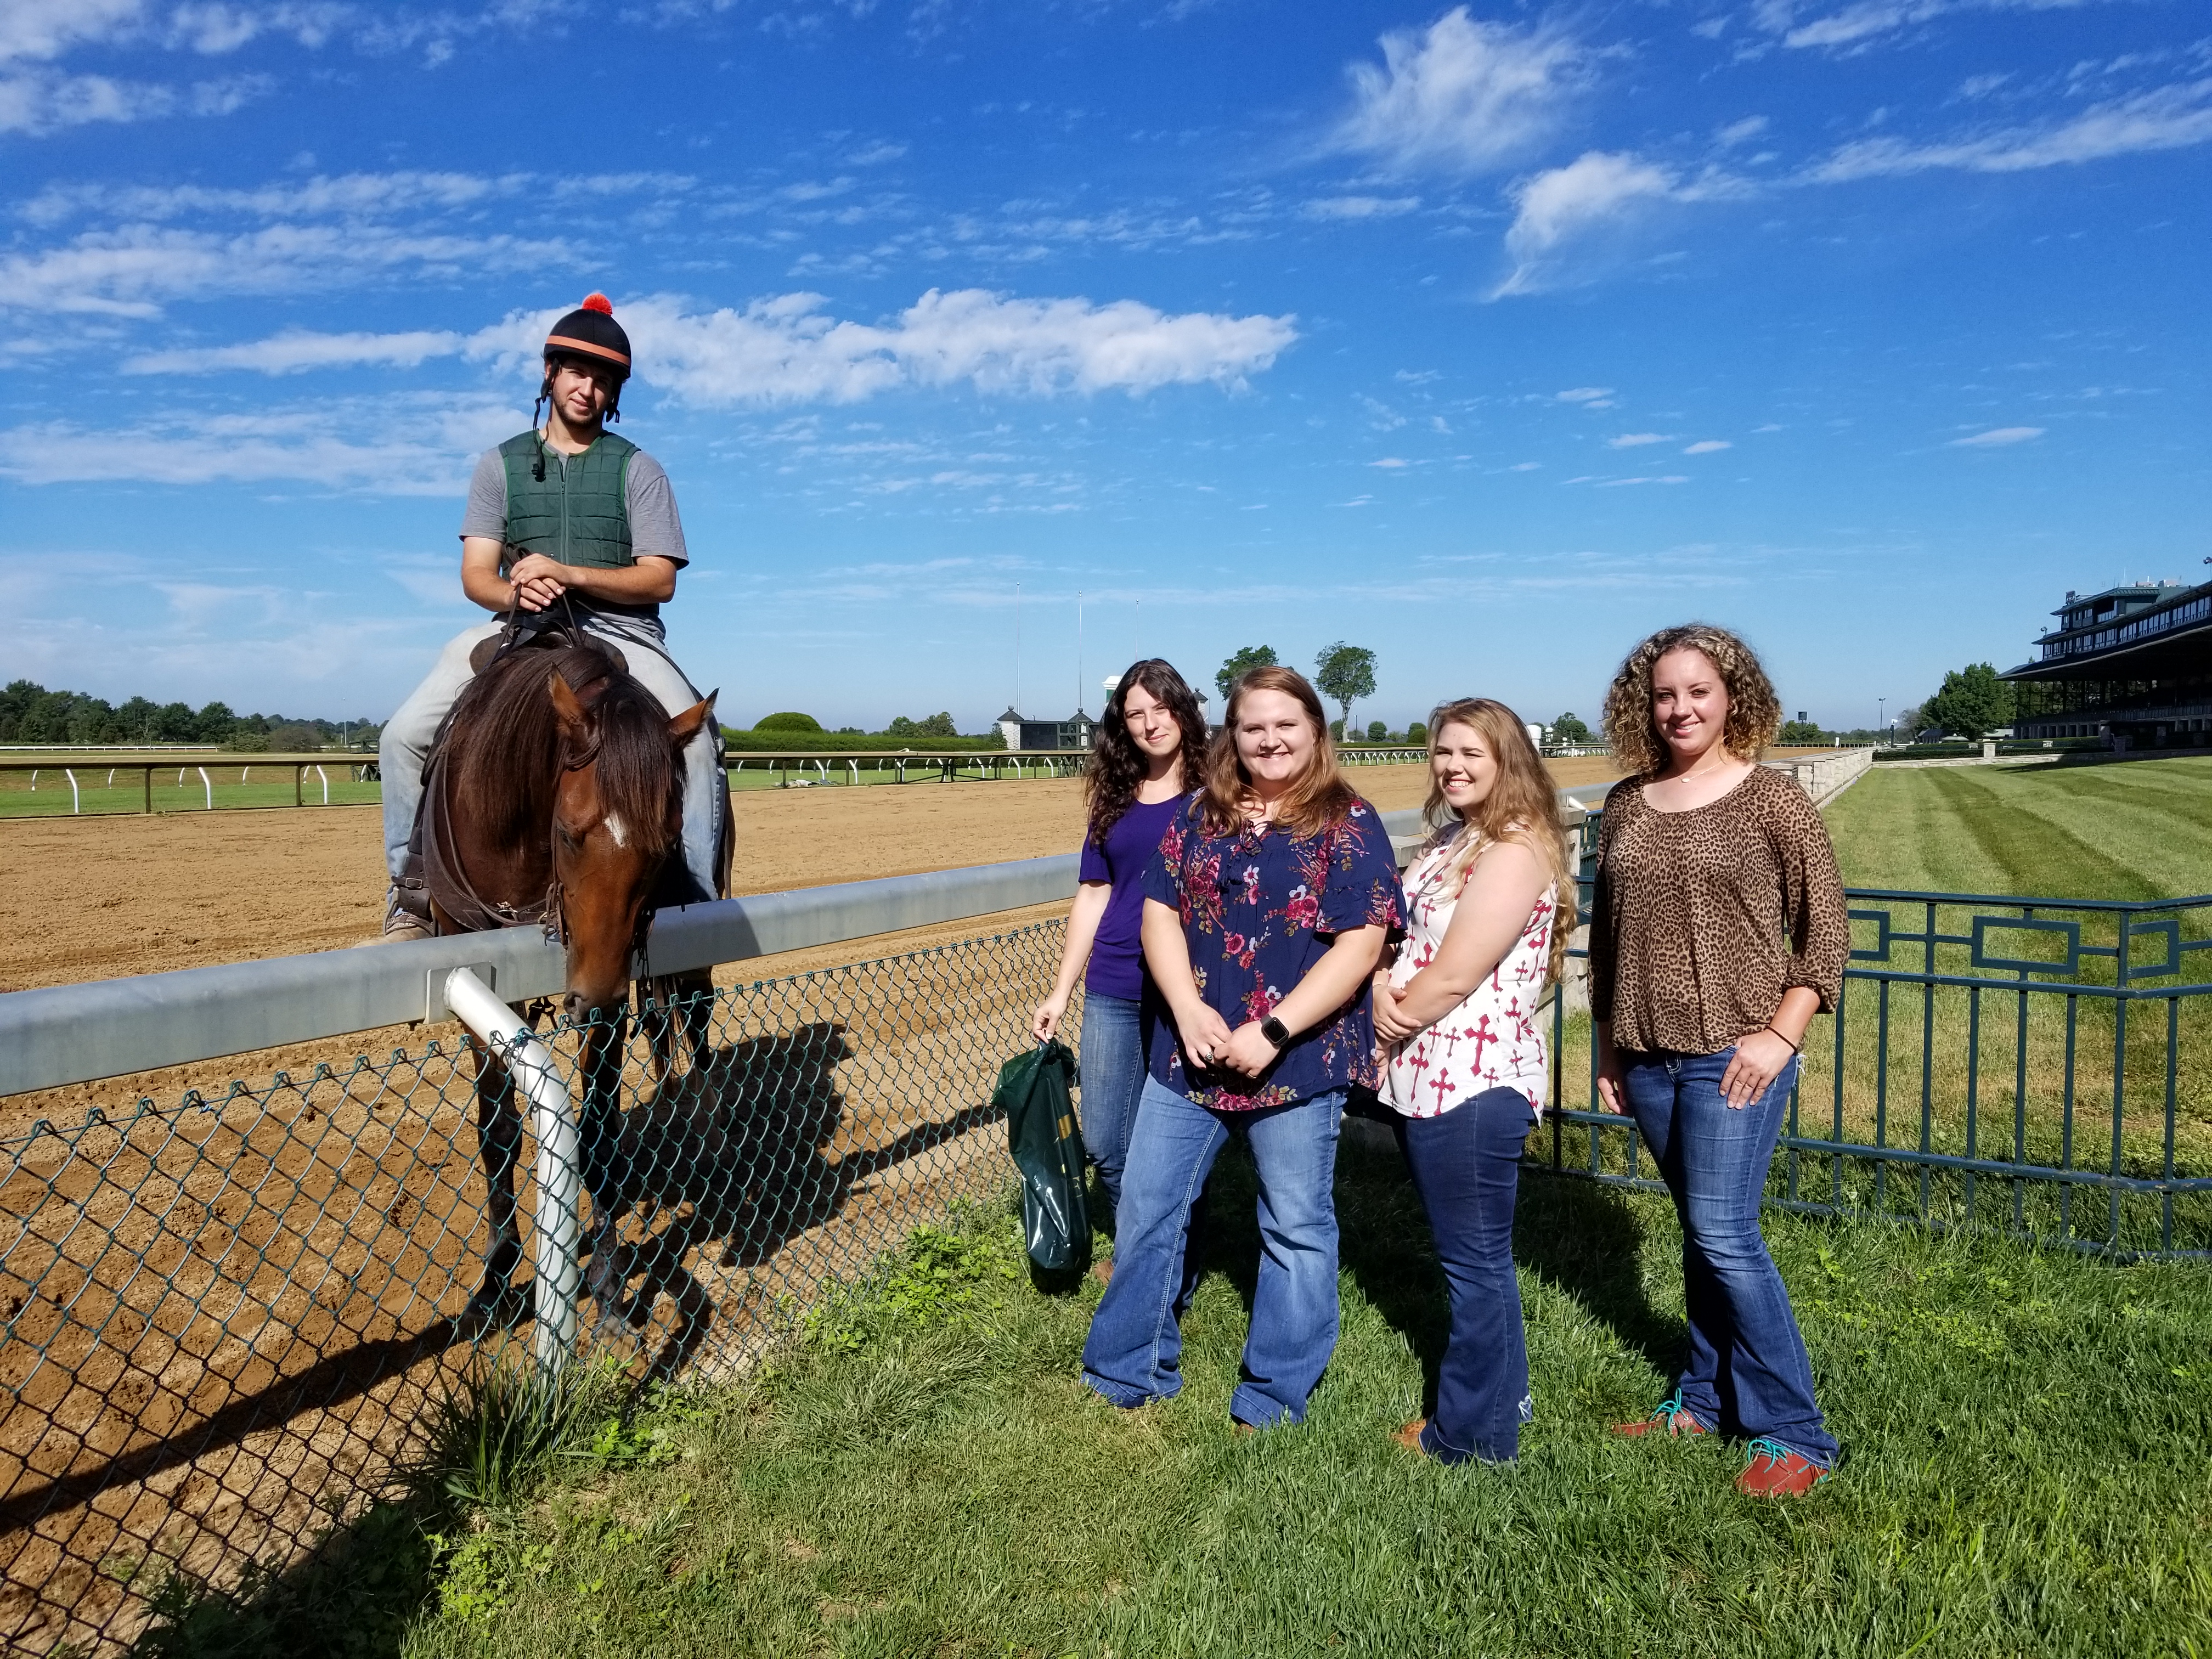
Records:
x=789, y=722
x=1417, y=732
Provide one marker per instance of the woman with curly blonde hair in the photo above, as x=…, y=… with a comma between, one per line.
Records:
x=1718, y=930
x=1490, y=904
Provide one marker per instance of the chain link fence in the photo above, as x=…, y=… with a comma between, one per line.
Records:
x=226, y=1320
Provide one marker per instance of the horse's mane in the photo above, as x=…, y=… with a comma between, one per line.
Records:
x=506, y=717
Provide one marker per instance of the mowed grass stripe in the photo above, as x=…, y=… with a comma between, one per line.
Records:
x=2139, y=829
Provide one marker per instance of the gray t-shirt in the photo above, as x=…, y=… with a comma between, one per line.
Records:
x=655, y=531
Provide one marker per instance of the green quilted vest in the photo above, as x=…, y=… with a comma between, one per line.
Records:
x=580, y=514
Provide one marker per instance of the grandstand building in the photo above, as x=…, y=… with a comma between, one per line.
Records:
x=2132, y=664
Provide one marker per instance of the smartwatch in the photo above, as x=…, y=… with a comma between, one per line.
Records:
x=1276, y=1032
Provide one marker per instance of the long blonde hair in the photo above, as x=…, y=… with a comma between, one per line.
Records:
x=1754, y=712
x=1316, y=798
x=1522, y=805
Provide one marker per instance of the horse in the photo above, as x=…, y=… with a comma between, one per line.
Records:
x=555, y=796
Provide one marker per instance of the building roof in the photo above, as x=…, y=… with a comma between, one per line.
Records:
x=1010, y=715
x=2170, y=637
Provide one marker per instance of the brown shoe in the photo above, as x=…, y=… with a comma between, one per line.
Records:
x=1775, y=1471
x=1410, y=1436
x=1103, y=1270
x=1672, y=1416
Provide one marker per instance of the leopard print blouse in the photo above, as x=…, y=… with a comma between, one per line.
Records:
x=1702, y=918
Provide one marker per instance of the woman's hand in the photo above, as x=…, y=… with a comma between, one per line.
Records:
x=1758, y=1060
x=1390, y=1025
x=1249, y=1052
x=1204, y=1034
x=1046, y=1020
x=1611, y=1075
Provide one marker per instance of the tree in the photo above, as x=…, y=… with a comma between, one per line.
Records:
x=1417, y=732
x=1972, y=702
x=1245, y=659
x=935, y=726
x=1798, y=733
x=788, y=722
x=1344, y=674
x=1376, y=732
x=1569, y=729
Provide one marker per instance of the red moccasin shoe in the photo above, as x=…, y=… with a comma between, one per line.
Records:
x=1775, y=1471
x=1672, y=1416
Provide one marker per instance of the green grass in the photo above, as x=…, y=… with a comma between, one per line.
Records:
x=2133, y=829
x=266, y=785
x=922, y=1473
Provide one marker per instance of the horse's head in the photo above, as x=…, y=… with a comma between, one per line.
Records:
x=617, y=817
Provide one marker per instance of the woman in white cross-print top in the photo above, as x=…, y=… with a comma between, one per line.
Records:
x=1490, y=903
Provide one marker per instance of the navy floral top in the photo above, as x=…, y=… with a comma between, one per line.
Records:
x=1259, y=907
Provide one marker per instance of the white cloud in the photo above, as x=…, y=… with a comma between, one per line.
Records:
x=1863, y=21
x=2166, y=117
x=1391, y=463
x=1460, y=94
x=1997, y=437
x=133, y=271
x=39, y=101
x=45, y=28
x=1557, y=204
x=1708, y=447
x=291, y=352
x=424, y=449
x=1737, y=132
x=1595, y=397
x=1637, y=440
x=1526, y=467
x=1619, y=483
x=1360, y=207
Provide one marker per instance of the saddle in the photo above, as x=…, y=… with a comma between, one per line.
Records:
x=433, y=872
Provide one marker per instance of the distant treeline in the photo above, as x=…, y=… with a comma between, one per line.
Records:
x=31, y=714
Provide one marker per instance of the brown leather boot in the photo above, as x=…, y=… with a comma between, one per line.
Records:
x=1410, y=1436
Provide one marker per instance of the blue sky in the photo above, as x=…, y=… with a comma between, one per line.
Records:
x=1489, y=337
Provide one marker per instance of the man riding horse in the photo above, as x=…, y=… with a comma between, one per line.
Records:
x=568, y=519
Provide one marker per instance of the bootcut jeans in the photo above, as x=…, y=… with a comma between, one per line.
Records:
x=1466, y=1164
x=1134, y=1351
x=1111, y=1058
x=1747, y=1372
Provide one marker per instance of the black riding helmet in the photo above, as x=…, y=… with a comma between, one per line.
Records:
x=591, y=335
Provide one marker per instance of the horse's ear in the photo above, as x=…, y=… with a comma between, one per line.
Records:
x=685, y=726
x=575, y=723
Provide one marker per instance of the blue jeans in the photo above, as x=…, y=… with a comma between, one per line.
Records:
x=1466, y=1167
x=1134, y=1351
x=1112, y=1058
x=1747, y=1371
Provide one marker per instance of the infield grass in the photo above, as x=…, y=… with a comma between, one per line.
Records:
x=923, y=1474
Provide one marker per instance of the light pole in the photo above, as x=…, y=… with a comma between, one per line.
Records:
x=1881, y=713
x=1078, y=651
x=1018, y=647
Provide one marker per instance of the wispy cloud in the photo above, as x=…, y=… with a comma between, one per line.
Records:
x=1589, y=397
x=1997, y=437
x=294, y=351
x=1637, y=440
x=1360, y=207
x=1708, y=447
x=1461, y=95
x=38, y=102
x=1856, y=24
x=2173, y=116
x=1563, y=202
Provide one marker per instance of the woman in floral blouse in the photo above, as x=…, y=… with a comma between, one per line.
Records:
x=1266, y=910
x=1490, y=904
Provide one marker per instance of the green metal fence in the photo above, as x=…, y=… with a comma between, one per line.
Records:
x=221, y=1320
x=2038, y=1067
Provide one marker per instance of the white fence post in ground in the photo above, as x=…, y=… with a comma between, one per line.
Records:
x=205, y=780
x=560, y=1178
x=71, y=776
x=326, y=777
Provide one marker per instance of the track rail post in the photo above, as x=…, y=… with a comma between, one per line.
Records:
x=560, y=1179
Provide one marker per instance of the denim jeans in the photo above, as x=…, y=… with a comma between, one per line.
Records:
x=1466, y=1167
x=405, y=748
x=1747, y=1372
x=1134, y=1351
x=1112, y=1059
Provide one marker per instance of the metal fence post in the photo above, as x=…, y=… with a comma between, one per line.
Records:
x=560, y=1179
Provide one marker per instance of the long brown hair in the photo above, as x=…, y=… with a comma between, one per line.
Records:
x=1117, y=765
x=1317, y=799
x=1754, y=712
x=1522, y=805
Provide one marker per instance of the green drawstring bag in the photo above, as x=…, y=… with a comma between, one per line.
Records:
x=1047, y=1143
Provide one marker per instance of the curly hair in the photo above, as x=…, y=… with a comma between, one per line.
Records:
x=1754, y=712
x=1522, y=805
x=1118, y=766
x=1317, y=800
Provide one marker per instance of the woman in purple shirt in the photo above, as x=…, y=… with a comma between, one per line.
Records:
x=1265, y=911
x=1150, y=746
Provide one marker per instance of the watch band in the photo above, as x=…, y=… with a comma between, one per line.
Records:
x=1276, y=1032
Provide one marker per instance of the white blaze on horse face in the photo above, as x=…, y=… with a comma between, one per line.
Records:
x=619, y=830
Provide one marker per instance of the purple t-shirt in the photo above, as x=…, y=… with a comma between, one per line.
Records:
x=1117, y=960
